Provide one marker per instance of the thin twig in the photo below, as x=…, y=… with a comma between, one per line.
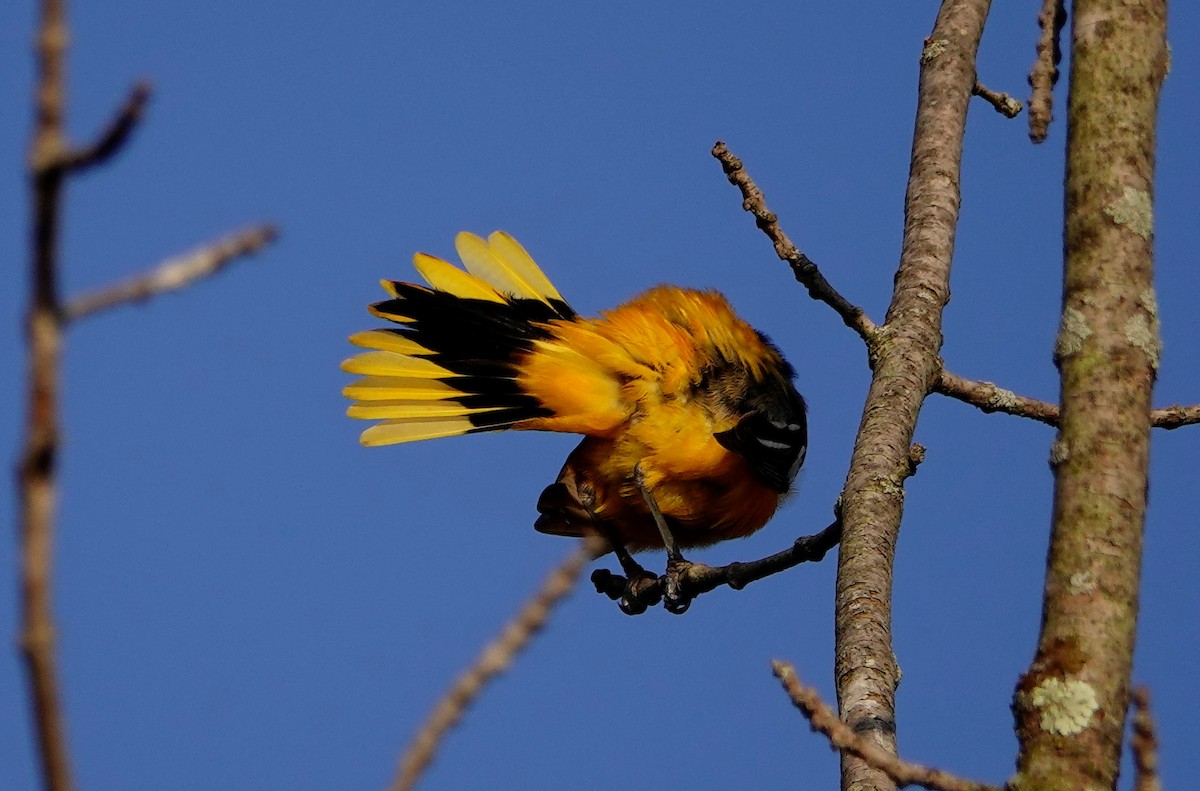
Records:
x=805, y=270
x=36, y=469
x=114, y=136
x=1170, y=417
x=992, y=398
x=698, y=578
x=842, y=738
x=493, y=660
x=1144, y=744
x=1006, y=105
x=174, y=273
x=1044, y=73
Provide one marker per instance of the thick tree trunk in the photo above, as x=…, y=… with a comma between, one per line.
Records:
x=1070, y=705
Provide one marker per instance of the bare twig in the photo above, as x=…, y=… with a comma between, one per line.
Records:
x=1044, y=73
x=842, y=738
x=699, y=578
x=1145, y=744
x=1170, y=417
x=493, y=660
x=37, y=466
x=804, y=269
x=1006, y=105
x=114, y=135
x=991, y=397
x=174, y=273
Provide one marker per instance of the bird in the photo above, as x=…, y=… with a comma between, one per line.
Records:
x=693, y=429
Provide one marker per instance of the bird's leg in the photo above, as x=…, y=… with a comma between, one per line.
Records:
x=674, y=599
x=638, y=579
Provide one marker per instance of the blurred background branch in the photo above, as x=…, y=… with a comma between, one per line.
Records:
x=51, y=160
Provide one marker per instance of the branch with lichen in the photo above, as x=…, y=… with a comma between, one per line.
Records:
x=990, y=397
x=844, y=739
x=1004, y=104
x=1070, y=705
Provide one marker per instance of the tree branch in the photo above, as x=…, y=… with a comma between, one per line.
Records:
x=114, y=136
x=699, y=578
x=1004, y=104
x=1044, y=73
x=842, y=738
x=990, y=397
x=36, y=469
x=805, y=270
x=174, y=273
x=1171, y=417
x=491, y=662
x=906, y=367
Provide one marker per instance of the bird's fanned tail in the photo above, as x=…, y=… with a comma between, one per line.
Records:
x=450, y=367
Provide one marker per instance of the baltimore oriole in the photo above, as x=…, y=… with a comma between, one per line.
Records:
x=693, y=430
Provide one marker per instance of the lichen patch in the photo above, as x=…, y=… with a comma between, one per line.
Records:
x=1134, y=210
x=1073, y=331
x=1066, y=706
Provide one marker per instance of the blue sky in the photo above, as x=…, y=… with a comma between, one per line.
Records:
x=248, y=599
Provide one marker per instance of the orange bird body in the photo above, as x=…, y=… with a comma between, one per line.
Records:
x=683, y=406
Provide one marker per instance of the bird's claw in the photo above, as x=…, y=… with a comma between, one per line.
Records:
x=641, y=590
x=676, y=596
x=633, y=594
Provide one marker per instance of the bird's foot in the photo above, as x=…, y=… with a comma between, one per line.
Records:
x=634, y=593
x=678, y=590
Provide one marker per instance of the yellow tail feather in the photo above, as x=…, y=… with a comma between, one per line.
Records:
x=391, y=432
x=388, y=342
x=519, y=261
x=392, y=364
x=375, y=311
x=503, y=268
x=412, y=410
x=445, y=276
x=396, y=388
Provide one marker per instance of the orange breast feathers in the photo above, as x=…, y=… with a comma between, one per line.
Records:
x=673, y=392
